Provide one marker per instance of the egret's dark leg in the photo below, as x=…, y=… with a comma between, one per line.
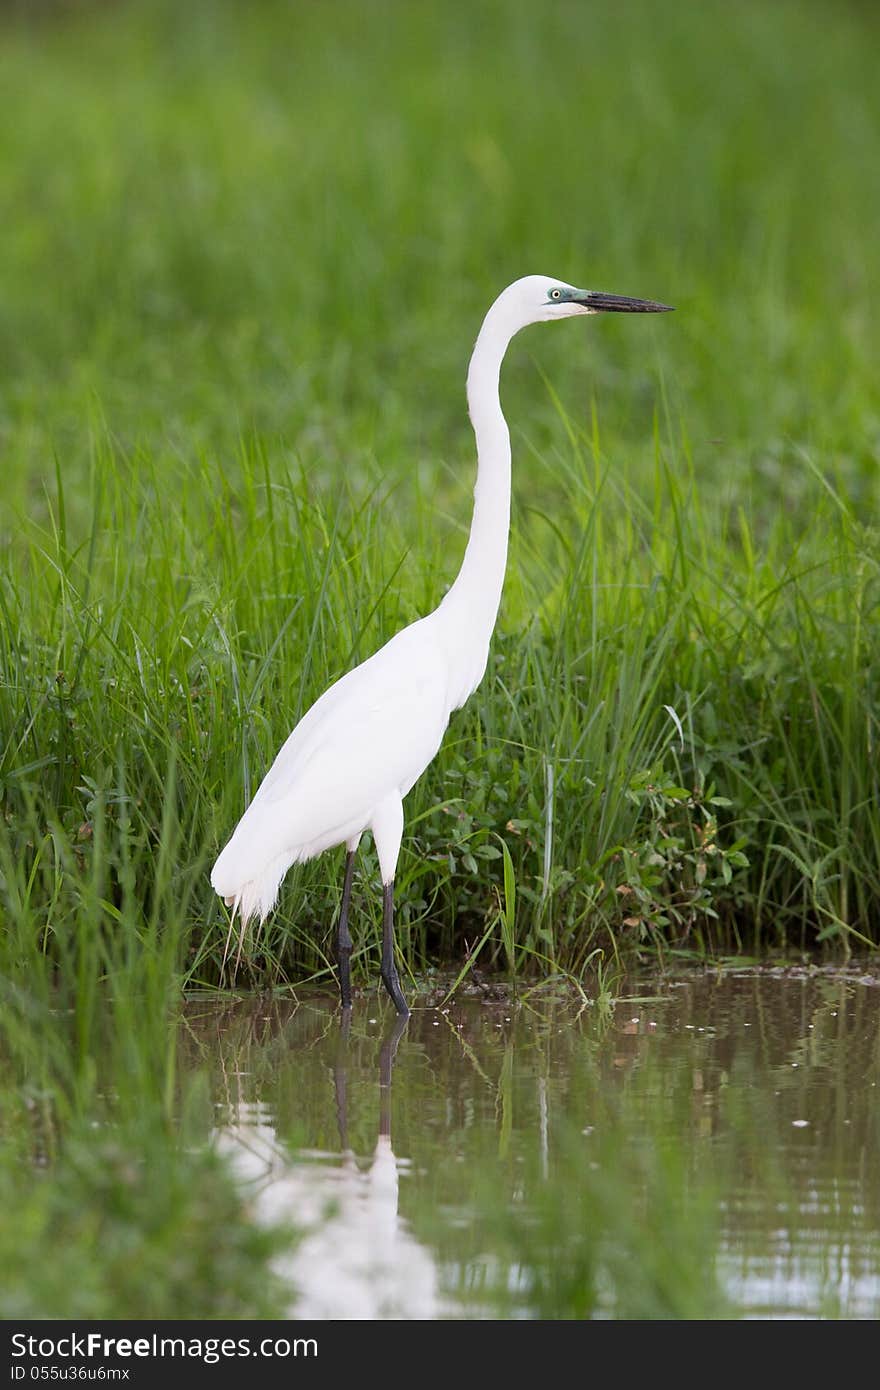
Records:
x=343, y=935
x=389, y=969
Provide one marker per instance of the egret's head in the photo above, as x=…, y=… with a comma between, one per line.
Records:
x=557, y=300
x=537, y=298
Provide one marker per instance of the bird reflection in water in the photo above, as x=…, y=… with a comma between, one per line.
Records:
x=354, y=1255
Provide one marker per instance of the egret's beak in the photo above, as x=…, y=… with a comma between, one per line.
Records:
x=599, y=303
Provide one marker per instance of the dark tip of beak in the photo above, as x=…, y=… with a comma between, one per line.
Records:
x=621, y=304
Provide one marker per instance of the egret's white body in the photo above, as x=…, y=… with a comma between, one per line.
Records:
x=344, y=769
x=355, y=754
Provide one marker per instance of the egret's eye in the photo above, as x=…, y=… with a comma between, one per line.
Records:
x=556, y=294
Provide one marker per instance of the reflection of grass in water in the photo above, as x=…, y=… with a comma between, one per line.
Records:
x=610, y=1220
x=613, y=1232
x=798, y=1205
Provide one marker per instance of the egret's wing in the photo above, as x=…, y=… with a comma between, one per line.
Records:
x=371, y=734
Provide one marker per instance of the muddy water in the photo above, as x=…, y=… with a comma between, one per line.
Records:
x=710, y=1145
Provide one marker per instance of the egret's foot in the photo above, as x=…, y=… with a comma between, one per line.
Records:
x=392, y=984
x=388, y=968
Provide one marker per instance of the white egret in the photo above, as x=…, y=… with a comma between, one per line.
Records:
x=355, y=754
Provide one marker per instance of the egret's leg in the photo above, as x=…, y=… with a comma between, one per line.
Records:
x=343, y=935
x=387, y=827
x=389, y=969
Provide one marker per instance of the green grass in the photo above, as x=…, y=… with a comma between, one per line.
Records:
x=248, y=257
x=172, y=1233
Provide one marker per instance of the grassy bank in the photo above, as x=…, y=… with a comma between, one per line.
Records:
x=248, y=256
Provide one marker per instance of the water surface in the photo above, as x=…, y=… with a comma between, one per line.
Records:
x=707, y=1146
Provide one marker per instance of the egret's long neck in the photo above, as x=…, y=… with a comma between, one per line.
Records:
x=470, y=607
